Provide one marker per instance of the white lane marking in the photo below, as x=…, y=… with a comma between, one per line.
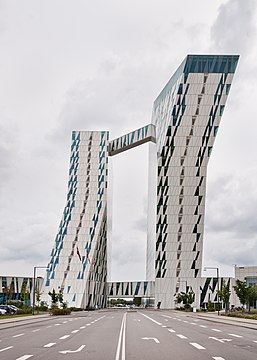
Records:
x=197, y=346
x=217, y=330
x=181, y=336
x=255, y=341
x=64, y=322
x=88, y=324
x=151, y=338
x=49, y=326
x=203, y=326
x=218, y=358
x=15, y=336
x=57, y=324
x=82, y=327
x=49, y=345
x=9, y=347
x=185, y=321
x=24, y=357
x=64, y=337
x=235, y=335
x=166, y=320
x=156, y=322
x=179, y=319
x=121, y=341
x=136, y=320
x=214, y=338
x=72, y=351
x=74, y=331
x=193, y=323
x=36, y=330
x=164, y=326
x=167, y=316
x=171, y=330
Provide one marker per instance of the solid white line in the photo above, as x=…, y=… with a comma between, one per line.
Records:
x=120, y=339
x=181, y=336
x=17, y=335
x=237, y=336
x=49, y=345
x=217, y=330
x=9, y=347
x=197, y=346
x=171, y=330
x=36, y=330
x=74, y=331
x=64, y=337
x=24, y=357
x=123, y=339
x=156, y=322
x=218, y=358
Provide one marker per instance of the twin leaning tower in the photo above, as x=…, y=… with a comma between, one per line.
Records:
x=185, y=121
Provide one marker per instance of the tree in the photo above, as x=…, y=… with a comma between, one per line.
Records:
x=241, y=291
x=224, y=294
x=247, y=294
x=54, y=298
x=186, y=298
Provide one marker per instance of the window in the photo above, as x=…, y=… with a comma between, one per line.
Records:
x=228, y=86
x=222, y=107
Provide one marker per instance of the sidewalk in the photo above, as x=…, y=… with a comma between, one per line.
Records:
x=6, y=323
x=247, y=323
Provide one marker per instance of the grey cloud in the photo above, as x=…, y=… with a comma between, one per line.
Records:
x=234, y=27
x=232, y=204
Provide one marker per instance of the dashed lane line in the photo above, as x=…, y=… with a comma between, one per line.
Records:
x=217, y=330
x=198, y=346
x=74, y=331
x=64, y=337
x=7, y=348
x=203, y=326
x=82, y=327
x=193, y=323
x=171, y=330
x=164, y=326
x=255, y=341
x=24, y=357
x=18, y=335
x=218, y=358
x=49, y=345
x=181, y=336
x=235, y=335
x=36, y=330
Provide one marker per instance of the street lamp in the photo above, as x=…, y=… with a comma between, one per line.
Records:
x=34, y=285
x=217, y=269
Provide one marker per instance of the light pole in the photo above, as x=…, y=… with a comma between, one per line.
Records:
x=34, y=285
x=217, y=269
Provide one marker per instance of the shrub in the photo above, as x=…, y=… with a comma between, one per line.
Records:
x=57, y=311
x=24, y=310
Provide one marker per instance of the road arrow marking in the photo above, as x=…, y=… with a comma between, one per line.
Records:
x=72, y=351
x=151, y=338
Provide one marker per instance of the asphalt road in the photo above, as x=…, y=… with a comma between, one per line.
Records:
x=127, y=335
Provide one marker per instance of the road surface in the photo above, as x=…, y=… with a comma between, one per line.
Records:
x=126, y=335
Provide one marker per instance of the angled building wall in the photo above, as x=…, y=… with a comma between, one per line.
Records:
x=78, y=263
x=187, y=115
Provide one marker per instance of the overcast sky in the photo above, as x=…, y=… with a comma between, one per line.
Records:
x=99, y=65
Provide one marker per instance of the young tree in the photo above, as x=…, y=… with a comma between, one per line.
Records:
x=54, y=298
x=224, y=294
x=251, y=295
x=186, y=298
x=241, y=291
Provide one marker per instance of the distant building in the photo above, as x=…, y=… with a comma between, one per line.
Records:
x=185, y=123
x=17, y=288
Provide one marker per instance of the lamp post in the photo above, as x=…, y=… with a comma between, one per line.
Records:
x=217, y=269
x=34, y=285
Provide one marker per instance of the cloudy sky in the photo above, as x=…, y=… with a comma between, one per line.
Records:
x=98, y=65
